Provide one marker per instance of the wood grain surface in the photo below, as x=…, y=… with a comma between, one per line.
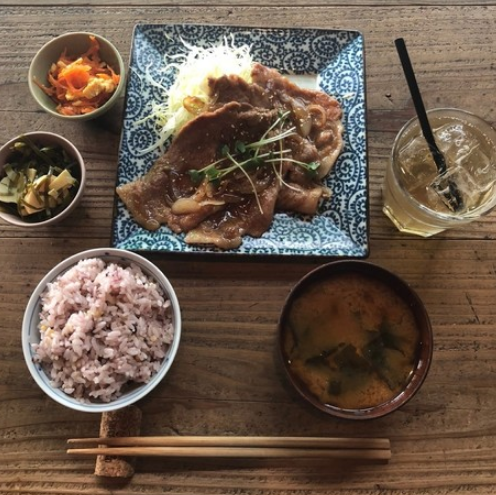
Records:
x=227, y=379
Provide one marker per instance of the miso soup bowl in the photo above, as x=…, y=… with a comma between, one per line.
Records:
x=355, y=340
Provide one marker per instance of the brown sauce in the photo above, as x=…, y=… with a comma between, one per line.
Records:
x=352, y=341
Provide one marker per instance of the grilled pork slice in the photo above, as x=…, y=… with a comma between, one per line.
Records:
x=248, y=216
x=168, y=195
x=316, y=115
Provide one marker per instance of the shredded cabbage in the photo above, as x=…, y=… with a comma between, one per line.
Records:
x=192, y=70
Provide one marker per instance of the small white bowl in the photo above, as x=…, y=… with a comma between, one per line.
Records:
x=76, y=43
x=31, y=333
x=41, y=138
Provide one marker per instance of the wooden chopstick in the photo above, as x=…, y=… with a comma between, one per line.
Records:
x=237, y=452
x=241, y=447
x=232, y=441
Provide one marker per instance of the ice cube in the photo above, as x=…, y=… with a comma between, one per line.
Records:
x=469, y=165
x=454, y=140
x=417, y=165
x=470, y=170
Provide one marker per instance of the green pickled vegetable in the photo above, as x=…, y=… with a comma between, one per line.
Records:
x=37, y=183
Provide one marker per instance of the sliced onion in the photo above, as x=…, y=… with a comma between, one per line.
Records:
x=303, y=120
x=184, y=206
x=317, y=115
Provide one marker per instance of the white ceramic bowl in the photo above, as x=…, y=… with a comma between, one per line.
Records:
x=41, y=138
x=31, y=333
x=76, y=43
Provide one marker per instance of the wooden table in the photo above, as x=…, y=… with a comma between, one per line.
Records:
x=226, y=380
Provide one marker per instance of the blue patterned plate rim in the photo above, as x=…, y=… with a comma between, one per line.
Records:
x=335, y=58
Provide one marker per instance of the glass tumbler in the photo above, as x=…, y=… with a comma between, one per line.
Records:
x=416, y=197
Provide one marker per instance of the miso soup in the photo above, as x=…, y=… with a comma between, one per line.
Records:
x=351, y=340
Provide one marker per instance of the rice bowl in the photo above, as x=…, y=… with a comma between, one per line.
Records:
x=101, y=330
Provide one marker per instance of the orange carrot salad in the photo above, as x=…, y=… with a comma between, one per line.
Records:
x=83, y=84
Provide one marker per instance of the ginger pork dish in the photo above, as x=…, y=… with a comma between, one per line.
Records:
x=254, y=145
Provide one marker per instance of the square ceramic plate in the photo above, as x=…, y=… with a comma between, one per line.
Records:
x=333, y=61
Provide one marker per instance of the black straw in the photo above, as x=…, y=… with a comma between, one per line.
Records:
x=453, y=197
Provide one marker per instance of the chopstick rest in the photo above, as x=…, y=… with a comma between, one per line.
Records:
x=126, y=421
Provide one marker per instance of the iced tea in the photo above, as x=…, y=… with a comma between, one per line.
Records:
x=414, y=193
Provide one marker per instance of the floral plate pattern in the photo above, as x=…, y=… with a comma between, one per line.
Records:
x=335, y=59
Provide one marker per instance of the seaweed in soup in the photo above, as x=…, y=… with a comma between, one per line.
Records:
x=353, y=341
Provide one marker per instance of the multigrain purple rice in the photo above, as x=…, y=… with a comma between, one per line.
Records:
x=103, y=327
